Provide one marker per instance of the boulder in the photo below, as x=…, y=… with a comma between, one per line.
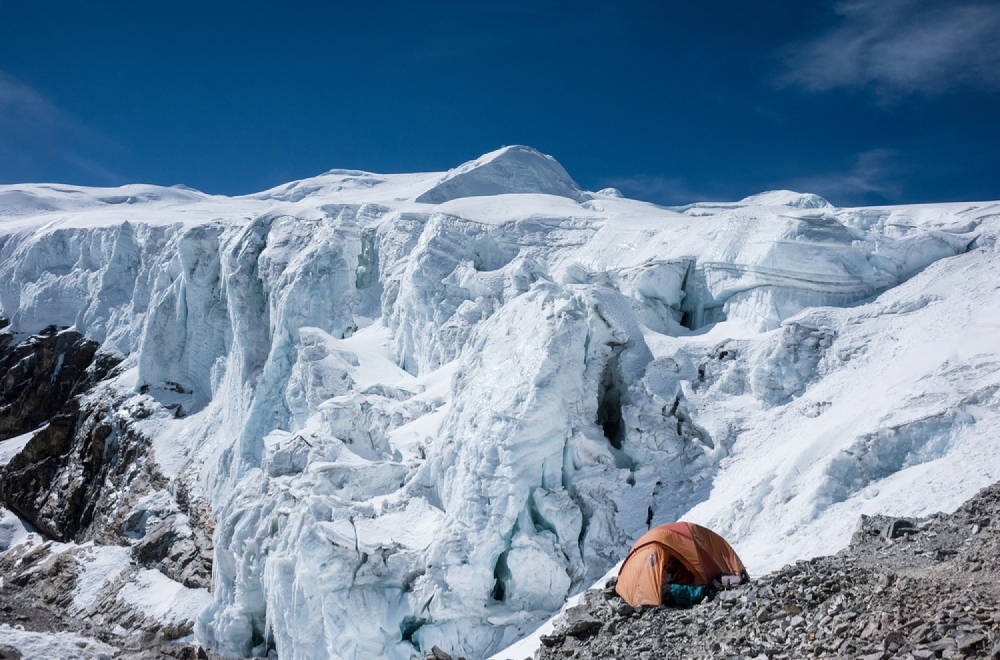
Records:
x=898, y=527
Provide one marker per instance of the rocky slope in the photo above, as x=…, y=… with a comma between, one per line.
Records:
x=904, y=588
x=36, y=597
x=82, y=479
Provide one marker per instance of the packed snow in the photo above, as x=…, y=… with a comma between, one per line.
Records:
x=429, y=408
x=54, y=646
x=12, y=446
x=161, y=599
x=13, y=530
x=100, y=565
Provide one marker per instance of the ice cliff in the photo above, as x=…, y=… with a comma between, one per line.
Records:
x=424, y=409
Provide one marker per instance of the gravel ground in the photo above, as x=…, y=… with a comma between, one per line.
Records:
x=903, y=588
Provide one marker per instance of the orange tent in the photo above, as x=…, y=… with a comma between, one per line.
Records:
x=693, y=555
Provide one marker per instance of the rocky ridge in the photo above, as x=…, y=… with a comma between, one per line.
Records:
x=903, y=589
x=84, y=473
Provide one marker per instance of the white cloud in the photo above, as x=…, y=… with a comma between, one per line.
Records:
x=873, y=175
x=901, y=47
x=38, y=139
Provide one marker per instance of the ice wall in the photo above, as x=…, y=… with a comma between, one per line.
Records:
x=428, y=409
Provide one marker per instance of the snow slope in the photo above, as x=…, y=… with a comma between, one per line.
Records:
x=427, y=408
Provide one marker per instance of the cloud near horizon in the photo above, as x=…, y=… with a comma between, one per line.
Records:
x=668, y=191
x=901, y=47
x=872, y=178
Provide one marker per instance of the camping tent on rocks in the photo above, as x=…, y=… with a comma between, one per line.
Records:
x=678, y=553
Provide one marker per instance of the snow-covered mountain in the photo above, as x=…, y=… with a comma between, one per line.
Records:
x=424, y=409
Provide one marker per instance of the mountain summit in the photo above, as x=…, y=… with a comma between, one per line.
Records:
x=513, y=169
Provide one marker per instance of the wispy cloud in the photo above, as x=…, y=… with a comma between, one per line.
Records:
x=873, y=177
x=39, y=140
x=902, y=47
x=657, y=189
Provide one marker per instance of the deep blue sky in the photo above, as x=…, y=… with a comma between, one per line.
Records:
x=869, y=101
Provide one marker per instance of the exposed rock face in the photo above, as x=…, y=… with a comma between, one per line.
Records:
x=30, y=484
x=41, y=379
x=172, y=534
x=39, y=375
x=926, y=589
x=88, y=479
x=88, y=474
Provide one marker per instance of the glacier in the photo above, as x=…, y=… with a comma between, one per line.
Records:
x=426, y=409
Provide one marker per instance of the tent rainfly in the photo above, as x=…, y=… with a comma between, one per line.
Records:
x=680, y=553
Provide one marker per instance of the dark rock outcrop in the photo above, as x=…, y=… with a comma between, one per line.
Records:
x=39, y=375
x=41, y=380
x=89, y=474
x=9, y=653
x=35, y=485
x=81, y=477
